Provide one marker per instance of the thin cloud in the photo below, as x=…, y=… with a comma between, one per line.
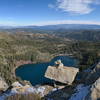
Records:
x=67, y=22
x=76, y=6
x=55, y=22
x=51, y=6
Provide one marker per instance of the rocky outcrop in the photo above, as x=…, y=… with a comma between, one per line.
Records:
x=93, y=75
x=61, y=73
x=94, y=93
x=3, y=84
x=59, y=94
x=80, y=92
x=19, y=88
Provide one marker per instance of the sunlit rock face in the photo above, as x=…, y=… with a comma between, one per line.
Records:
x=61, y=73
x=3, y=84
x=94, y=93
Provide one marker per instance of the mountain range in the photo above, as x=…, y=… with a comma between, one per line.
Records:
x=56, y=27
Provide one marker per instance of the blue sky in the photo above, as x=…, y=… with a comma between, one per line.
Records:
x=47, y=12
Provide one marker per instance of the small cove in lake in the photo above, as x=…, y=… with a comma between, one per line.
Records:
x=35, y=72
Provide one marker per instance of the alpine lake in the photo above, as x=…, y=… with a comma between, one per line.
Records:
x=34, y=73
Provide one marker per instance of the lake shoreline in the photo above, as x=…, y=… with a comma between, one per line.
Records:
x=71, y=60
x=23, y=62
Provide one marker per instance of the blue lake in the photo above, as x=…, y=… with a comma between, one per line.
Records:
x=35, y=72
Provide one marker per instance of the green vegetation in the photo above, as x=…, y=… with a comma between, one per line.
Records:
x=26, y=46
x=88, y=53
x=81, y=35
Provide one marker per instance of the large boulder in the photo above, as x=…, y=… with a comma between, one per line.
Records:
x=3, y=84
x=61, y=73
x=94, y=93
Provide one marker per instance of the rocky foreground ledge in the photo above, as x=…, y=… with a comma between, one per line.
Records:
x=80, y=91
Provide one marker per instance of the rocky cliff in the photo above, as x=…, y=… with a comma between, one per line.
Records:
x=3, y=84
x=93, y=75
x=94, y=93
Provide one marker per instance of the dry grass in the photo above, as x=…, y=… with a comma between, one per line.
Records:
x=30, y=96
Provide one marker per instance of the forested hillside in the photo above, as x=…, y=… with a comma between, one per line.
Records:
x=79, y=34
x=41, y=48
x=34, y=48
x=24, y=47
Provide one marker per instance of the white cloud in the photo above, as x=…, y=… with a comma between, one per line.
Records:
x=54, y=22
x=76, y=6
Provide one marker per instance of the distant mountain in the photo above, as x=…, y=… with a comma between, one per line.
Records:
x=65, y=26
x=70, y=31
x=6, y=27
x=56, y=27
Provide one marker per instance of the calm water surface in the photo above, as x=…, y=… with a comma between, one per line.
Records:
x=35, y=72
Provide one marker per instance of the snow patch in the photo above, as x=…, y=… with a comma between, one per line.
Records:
x=40, y=90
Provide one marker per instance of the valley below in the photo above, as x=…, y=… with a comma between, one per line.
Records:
x=26, y=55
